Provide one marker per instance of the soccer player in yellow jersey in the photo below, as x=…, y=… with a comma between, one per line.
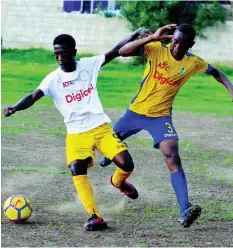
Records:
x=168, y=68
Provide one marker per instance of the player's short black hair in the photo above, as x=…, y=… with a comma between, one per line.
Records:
x=188, y=30
x=65, y=39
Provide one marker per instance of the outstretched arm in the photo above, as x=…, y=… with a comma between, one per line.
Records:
x=130, y=48
x=24, y=103
x=110, y=55
x=220, y=77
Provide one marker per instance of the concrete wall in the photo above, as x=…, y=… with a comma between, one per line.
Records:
x=35, y=23
x=219, y=44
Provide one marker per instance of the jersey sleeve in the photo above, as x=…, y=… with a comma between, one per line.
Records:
x=45, y=86
x=201, y=65
x=100, y=59
x=210, y=68
x=151, y=49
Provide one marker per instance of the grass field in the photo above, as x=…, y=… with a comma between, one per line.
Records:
x=33, y=163
x=22, y=71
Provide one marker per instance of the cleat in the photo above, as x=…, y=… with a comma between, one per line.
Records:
x=95, y=223
x=128, y=189
x=105, y=162
x=189, y=215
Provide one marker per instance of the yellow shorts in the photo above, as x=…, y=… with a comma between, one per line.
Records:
x=102, y=138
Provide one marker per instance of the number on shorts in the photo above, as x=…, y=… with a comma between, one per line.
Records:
x=169, y=127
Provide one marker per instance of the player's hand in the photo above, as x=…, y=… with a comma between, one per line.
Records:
x=9, y=111
x=144, y=32
x=161, y=32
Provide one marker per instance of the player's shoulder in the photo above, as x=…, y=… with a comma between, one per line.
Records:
x=52, y=76
x=155, y=44
x=197, y=63
x=164, y=45
x=90, y=59
x=193, y=56
x=84, y=59
x=91, y=62
x=152, y=48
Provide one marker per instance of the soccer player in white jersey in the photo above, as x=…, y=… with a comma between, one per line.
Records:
x=72, y=88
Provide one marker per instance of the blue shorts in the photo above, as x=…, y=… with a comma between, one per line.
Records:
x=160, y=128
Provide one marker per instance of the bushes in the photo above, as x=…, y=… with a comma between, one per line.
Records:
x=154, y=14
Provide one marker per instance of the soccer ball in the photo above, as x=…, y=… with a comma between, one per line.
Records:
x=17, y=208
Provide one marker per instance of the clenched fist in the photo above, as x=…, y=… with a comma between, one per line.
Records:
x=8, y=111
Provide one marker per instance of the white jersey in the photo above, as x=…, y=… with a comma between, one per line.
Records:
x=75, y=95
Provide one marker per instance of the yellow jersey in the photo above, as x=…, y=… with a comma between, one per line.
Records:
x=162, y=79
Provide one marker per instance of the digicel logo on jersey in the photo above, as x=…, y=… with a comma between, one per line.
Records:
x=164, y=80
x=79, y=96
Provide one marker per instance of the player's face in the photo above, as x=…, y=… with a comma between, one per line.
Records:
x=64, y=55
x=180, y=45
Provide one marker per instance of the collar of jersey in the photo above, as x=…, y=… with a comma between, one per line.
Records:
x=68, y=75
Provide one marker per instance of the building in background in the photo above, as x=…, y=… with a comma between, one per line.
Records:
x=35, y=23
x=88, y=7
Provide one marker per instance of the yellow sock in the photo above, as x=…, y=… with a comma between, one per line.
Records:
x=85, y=193
x=119, y=176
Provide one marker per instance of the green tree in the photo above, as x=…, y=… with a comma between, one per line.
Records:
x=154, y=14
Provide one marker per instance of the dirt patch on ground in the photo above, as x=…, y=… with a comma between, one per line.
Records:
x=151, y=220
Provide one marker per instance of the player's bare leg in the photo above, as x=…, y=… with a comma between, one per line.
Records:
x=125, y=166
x=86, y=195
x=188, y=213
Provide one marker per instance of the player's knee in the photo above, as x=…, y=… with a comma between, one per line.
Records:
x=176, y=159
x=126, y=163
x=172, y=158
x=79, y=167
x=127, y=166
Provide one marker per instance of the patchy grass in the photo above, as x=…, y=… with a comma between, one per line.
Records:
x=21, y=169
x=214, y=211
x=201, y=94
